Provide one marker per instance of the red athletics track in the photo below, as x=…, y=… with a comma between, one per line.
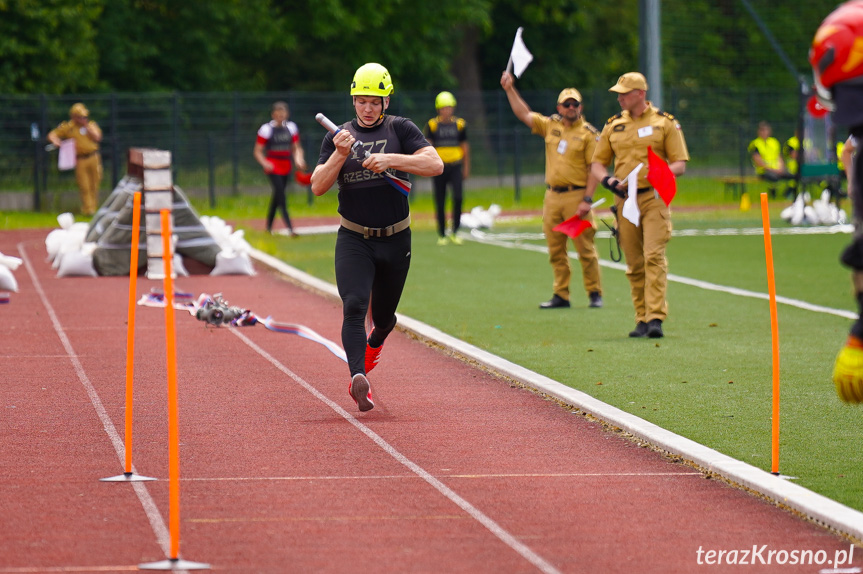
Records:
x=453, y=471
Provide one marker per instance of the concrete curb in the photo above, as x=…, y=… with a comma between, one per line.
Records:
x=779, y=490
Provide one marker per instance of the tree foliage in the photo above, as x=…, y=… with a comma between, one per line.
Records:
x=68, y=46
x=48, y=46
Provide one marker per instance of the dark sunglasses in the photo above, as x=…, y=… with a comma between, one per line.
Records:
x=570, y=104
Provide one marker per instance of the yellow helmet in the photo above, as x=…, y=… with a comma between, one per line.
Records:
x=443, y=100
x=372, y=80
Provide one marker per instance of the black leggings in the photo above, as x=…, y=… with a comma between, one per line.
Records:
x=452, y=173
x=278, y=201
x=372, y=270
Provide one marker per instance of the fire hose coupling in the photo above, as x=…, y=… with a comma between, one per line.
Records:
x=216, y=311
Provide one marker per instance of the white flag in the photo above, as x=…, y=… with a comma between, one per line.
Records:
x=630, y=206
x=520, y=57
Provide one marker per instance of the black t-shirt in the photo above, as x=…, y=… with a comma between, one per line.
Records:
x=365, y=197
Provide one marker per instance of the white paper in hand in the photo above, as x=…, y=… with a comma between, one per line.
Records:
x=66, y=158
x=630, y=206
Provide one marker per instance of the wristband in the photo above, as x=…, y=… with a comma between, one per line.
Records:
x=605, y=183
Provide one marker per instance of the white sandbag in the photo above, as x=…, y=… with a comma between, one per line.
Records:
x=809, y=216
x=7, y=280
x=822, y=211
x=238, y=242
x=469, y=221
x=53, y=242
x=11, y=262
x=177, y=266
x=228, y=263
x=65, y=220
x=797, y=211
x=220, y=231
x=76, y=264
x=479, y=218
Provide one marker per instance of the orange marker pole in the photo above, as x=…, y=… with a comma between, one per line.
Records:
x=130, y=333
x=774, y=331
x=173, y=411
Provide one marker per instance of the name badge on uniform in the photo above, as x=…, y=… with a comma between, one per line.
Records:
x=561, y=147
x=645, y=131
x=82, y=131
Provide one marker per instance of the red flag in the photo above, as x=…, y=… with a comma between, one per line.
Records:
x=572, y=226
x=660, y=176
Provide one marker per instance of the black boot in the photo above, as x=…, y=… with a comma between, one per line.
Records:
x=640, y=330
x=654, y=329
x=556, y=302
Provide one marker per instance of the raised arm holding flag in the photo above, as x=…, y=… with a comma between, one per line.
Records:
x=569, y=144
x=520, y=56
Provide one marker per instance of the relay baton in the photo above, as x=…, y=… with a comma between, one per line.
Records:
x=401, y=185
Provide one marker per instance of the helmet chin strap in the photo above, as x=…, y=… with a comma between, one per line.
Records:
x=379, y=120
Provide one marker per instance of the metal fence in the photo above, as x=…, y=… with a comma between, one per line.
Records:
x=211, y=135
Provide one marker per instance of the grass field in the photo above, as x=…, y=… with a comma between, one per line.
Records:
x=709, y=379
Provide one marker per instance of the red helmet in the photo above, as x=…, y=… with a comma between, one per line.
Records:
x=836, y=54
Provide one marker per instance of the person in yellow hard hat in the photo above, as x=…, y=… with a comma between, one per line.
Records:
x=373, y=246
x=569, y=144
x=448, y=134
x=88, y=165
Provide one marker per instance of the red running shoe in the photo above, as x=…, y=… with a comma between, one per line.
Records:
x=361, y=391
x=373, y=357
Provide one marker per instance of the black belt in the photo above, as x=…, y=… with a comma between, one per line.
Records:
x=86, y=155
x=639, y=190
x=377, y=231
x=563, y=188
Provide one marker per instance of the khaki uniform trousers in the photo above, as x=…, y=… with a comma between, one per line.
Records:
x=557, y=208
x=644, y=249
x=88, y=174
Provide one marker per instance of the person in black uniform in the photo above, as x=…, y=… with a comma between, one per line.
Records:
x=373, y=246
x=276, y=145
x=448, y=133
x=838, y=70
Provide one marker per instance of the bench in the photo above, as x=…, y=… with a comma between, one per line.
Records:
x=736, y=184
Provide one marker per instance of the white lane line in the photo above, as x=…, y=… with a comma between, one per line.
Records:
x=414, y=477
x=844, y=229
x=511, y=244
x=150, y=509
x=467, y=507
x=46, y=569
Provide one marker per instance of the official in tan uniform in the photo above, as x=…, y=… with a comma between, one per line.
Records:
x=88, y=166
x=569, y=147
x=624, y=140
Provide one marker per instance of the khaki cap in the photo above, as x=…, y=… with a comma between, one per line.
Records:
x=628, y=82
x=569, y=94
x=79, y=110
